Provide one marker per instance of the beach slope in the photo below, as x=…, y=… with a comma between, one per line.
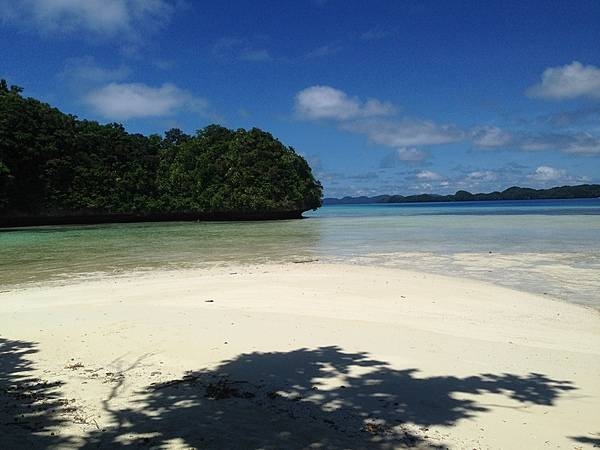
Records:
x=296, y=356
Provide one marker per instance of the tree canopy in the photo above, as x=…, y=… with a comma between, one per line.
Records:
x=56, y=168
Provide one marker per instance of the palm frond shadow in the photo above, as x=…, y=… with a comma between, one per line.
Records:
x=317, y=398
x=31, y=409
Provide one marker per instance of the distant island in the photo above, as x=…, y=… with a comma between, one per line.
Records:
x=57, y=169
x=512, y=193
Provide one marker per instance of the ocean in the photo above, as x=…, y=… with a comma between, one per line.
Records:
x=548, y=247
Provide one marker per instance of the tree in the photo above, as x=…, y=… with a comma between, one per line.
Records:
x=53, y=165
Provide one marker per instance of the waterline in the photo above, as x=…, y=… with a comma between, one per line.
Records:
x=556, y=252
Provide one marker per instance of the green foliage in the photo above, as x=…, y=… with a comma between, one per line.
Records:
x=52, y=164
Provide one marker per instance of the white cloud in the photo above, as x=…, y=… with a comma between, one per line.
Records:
x=411, y=154
x=122, y=101
x=368, y=118
x=490, y=137
x=547, y=173
x=482, y=175
x=583, y=144
x=407, y=132
x=325, y=102
x=122, y=18
x=428, y=175
x=567, y=82
x=551, y=174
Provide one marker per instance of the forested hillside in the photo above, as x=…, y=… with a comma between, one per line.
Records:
x=55, y=168
x=512, y=193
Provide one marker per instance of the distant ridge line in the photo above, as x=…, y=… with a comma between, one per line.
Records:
x=512, y=193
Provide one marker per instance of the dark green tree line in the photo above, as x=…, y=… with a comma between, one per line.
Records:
x=55, y=165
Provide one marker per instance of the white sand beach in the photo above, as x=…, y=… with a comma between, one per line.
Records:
x=296, y=356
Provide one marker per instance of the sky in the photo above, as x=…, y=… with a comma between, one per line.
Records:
x=381, y=97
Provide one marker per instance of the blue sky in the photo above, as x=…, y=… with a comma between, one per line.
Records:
x=380, y=96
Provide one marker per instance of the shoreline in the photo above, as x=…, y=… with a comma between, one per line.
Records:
x=298, y=354
x=18, y=222
x=463, y=266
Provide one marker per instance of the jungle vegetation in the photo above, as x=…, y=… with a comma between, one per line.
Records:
x=56, y=168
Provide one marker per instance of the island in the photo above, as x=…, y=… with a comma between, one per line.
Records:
x=512, y=193
x=58, y=169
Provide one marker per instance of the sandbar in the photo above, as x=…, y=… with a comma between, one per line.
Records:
x=294, y=356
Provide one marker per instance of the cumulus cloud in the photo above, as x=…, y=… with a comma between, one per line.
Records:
x=512, y=174
x=567, y=82
x=407, y=135
x=122, y=101
x=547, y=173
x=122, y=18
x=490, y=137
x=406, y=132
x=371, y=119
x=325, y=102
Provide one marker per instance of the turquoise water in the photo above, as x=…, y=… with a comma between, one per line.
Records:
x=464, y=227
x=550, y=247
x=512, y=207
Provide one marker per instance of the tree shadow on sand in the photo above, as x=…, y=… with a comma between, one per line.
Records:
x=321, y=398
x=31, y=409
x=593, y=441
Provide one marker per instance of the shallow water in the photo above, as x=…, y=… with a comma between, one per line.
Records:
x=550, y=247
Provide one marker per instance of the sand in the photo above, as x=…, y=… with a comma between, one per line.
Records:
x=296, y=356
